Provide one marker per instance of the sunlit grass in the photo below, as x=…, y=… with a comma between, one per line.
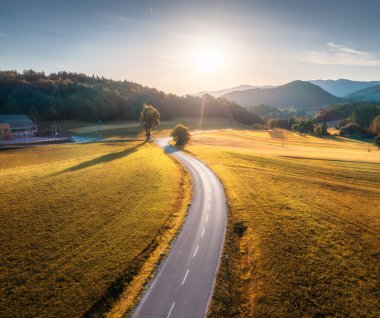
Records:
x=121, y=129
x=312, y=245
x=285, y=143
x=75, y=218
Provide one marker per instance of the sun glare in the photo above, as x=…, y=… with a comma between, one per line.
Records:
x=208, y=59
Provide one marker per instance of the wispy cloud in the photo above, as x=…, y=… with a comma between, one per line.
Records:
x=337, y=54
x=3, y=34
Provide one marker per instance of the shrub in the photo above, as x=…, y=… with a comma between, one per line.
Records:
x=240, y=228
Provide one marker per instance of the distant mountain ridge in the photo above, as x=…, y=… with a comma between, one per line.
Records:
x=300, y=95
x=367, y=94
x=222, y=92
x=343, y=87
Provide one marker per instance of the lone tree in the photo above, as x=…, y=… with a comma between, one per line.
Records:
x=318, y=130
x=181, y=135
x=149, y=118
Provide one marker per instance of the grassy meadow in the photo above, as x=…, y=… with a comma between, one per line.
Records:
x=304, y=224
x=133, y=128
x=79, y=221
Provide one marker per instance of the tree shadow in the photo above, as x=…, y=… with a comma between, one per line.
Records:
x=102, y=159
x=277, y=134
x=170, y=149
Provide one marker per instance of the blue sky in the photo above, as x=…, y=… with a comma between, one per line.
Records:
x=188, y=46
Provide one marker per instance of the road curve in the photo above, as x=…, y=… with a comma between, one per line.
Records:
x=184, y=283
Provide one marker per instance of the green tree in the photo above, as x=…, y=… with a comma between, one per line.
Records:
x=296, y=127
x=149, y=118
x=364, y=115
x=375, y=126
x=306, y=126
x=181, y=135
x=318, y=130
x=353, y=130
x=278, y=123
x=324, y=129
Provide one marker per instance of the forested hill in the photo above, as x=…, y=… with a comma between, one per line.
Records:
x=64, y=95
x=300, y=95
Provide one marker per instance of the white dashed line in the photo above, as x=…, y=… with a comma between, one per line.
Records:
x=209, y=206
x=203, y=231
x=184, y=279
x=206, y=218
x=170, y=311
x=196, y=250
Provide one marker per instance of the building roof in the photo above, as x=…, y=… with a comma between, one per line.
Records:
x=17, y=121
x=7, y=118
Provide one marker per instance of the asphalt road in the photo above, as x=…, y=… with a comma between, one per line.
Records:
x=183, y=286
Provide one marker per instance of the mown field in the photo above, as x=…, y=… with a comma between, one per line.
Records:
x=304, y=225
x=79, y=219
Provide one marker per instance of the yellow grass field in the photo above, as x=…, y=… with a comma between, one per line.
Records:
x=311, y=247
x=79, y=221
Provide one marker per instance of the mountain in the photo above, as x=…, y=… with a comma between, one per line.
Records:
x=298, y=94
x=343, y=87
x=367, y=94
x=221, y=92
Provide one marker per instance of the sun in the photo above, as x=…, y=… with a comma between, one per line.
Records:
x=208, y=59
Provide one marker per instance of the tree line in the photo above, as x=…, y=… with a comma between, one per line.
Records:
x=65, y=96
x=358, y=120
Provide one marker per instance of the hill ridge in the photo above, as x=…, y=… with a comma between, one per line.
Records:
x=296, y=94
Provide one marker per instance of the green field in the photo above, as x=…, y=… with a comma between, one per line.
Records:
x=312, y=243
x=77, y=219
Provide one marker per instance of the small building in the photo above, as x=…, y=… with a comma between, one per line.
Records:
x=5, y=132
x=20, y=125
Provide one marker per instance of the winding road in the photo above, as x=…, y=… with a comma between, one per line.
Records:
x=183, y=285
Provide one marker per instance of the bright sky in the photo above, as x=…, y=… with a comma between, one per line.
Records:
x=188, y=46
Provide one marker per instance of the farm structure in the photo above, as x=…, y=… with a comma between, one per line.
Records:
x=20, y=126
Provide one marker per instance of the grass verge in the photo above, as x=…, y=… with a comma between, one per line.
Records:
x=132, y=293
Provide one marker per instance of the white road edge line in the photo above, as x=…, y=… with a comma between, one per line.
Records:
x=203, y=231
x=196, y=250
x=184, y=279
x=170, y=311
